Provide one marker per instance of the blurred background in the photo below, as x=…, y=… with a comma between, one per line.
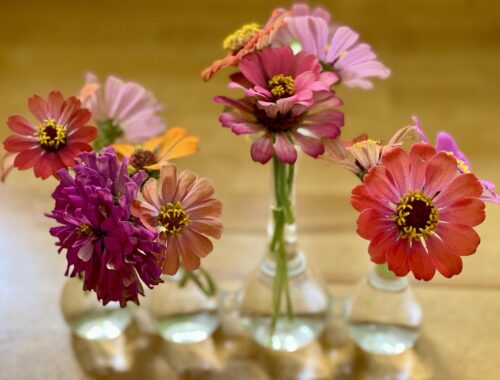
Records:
x=445, y=60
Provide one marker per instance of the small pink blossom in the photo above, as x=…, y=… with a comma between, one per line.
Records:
x=128, y=106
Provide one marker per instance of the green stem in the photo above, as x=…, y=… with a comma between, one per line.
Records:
x=202, y=280
x=282, y=216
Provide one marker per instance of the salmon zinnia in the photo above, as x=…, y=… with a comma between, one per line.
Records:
x=53, y=144
x=419, y=212
x=181, y=209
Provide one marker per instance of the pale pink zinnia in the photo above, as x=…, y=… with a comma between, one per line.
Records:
x=418, y=212
x=288, y=100
x=183, y=212
x=360, y=154
x=336, y=47
x=126, y=107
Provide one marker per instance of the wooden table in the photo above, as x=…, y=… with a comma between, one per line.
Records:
x=445, y=59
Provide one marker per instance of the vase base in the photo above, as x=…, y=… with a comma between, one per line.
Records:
x=288, y=336
x=107, y=324
x=382, y=339
x=188, y=328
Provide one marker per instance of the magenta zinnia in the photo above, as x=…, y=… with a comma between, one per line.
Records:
x=53, y=143
x=184, y=213
x=109, y=248
x=288, y=100
x=419, y=212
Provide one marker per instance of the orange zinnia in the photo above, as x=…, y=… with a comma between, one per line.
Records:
x=173, y=144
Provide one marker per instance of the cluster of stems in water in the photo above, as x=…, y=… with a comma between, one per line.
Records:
x=282, y=216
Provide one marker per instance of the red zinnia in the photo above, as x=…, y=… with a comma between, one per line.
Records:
x=61, y=135
x=418, y=212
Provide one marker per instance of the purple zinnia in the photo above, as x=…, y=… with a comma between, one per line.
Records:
x=288, y=100
x=445, y=142
x=108, y=247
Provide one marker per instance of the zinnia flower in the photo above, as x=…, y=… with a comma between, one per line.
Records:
x=248, y=39
x=360, y=154
x=336, y=47
x=445, y=142
x=108, y=247
x=173, y=144
x=288, y=99
x=181, y=209
x=122, y=109
x=54, y=143
x=419, y=212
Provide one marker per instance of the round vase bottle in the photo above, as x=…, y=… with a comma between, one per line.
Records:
x=88, y=318
x=183, y=309
x=383, y=315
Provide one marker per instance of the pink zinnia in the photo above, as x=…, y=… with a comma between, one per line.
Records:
x=124, y=109
x=53, y=144
x=183, y=212
x=287, y=98
x=419, y=212
x=335, y=46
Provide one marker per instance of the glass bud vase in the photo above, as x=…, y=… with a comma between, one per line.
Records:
x=384, y=316
x=184, y=308
x=87, y=317
x=282, y=304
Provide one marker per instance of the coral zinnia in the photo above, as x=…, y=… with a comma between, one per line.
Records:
x=418, y=212
x=122, y=109
x=247, y=39
x=182, y=210
x=61, y=135
x=106, y=245
x=337, y=47
x=289, y=99
x=173, y=144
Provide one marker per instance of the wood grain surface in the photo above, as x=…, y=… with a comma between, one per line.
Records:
x=445, y=59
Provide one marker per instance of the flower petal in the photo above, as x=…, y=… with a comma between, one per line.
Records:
x=463, y=186
x=309, y=145
x=20, y=125
x=397, y=161
x=446, y=262
x=262, y=149
x=468, y=211
x=38, y=108
x=460, y=238
x=284, y=149
x=420, y=262
x=440, y=171
x=397, y=258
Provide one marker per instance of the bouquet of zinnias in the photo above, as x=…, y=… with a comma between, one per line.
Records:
x=124, y=215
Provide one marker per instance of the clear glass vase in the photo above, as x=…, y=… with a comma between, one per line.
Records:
x=383, y=315
x=282, y=304
x=87, y=317
x=184, y=308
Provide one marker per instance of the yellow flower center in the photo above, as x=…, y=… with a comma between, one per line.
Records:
x=84, y=230
x=362, y=143
x=416, y=216
x=173, y=219
x=52, y=136
x=462, y=166
x=240, y=38
x=142, y=158
x=282, y=85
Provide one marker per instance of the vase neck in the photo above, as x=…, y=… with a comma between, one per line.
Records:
x=382, y=278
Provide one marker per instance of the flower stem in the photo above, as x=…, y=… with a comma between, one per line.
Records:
x=202, y=280
x=282, y=216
